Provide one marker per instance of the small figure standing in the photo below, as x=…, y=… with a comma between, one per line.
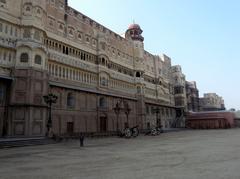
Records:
x=81, y=138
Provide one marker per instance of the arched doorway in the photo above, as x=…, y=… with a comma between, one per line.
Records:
x=70, y=128
x=103, y=123
x=4, y=106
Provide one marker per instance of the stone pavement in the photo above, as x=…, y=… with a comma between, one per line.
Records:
x=208, y=154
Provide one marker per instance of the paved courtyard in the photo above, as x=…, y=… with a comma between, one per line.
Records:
x=206, y=154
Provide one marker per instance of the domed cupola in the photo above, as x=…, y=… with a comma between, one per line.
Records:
x=34, y=3
x=134, y=32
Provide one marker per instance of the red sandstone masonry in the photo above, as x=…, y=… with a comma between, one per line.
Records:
x=210, y=120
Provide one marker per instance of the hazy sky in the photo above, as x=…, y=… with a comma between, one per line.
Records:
x=203, y=36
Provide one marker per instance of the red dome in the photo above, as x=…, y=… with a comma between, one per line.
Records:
x=133, y=26
x=134, y=32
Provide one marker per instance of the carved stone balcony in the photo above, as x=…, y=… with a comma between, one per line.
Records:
x=8, y=42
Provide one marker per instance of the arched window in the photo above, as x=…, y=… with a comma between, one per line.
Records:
x=87, y=39
x=138, y=74
x=104, y=81
x=38, y=11
x=102, y=102
x=28, y=8
x=37, y=35
x=2, y=3
x=60, y=26
x=26, y=33
x=103, y=61
x=70, y=31
x=66, y=50
x=80, y=36
x=70, y=100
x=24, y=58
x=38, y=59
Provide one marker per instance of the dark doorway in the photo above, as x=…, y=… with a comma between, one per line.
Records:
x=159, y=122
x=179, y=112
x=148, y=126
x=70, y=127
x=4, y=102
x=103, y=124
x=2, y=131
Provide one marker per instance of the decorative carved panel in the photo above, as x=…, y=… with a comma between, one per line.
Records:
x=20, y=97
x=38, y=86
x=39, y=74
x=37, y=128
x=37, y=99
x=20, y=114
x=37, y=114
x=21, y=84
x=19, y=128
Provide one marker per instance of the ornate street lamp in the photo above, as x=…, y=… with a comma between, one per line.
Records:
x=117, y=110
x=127, y=111
x=49, y=100
x=158, y=122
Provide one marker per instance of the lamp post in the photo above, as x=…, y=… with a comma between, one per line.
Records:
x=49, y=100
x=158, y=122
x=117, y=110
x=127, y=111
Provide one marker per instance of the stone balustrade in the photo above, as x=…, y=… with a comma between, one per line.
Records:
x=8, y=42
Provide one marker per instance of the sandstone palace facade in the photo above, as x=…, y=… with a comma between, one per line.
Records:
x=48, y=47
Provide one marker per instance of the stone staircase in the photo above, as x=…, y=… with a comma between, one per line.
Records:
x=22, y=142
x=177, y=121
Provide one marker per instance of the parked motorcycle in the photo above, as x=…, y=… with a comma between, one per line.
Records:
x=155, y=131
x=131, y=132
